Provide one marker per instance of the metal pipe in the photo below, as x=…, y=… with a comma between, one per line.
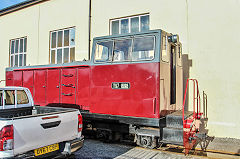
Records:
x=89, y=28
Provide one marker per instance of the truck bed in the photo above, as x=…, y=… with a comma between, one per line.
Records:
x=25, y=112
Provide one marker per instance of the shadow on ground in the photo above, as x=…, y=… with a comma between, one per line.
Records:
x=94, y=149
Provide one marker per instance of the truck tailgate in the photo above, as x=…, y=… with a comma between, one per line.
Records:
x=39, y=131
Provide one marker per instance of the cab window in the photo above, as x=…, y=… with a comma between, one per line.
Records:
x=143, y=48
x=1, y=98
x=103, y=51
x=122, y=49
x=179, y=56
x=165, y=49
x=22, y=97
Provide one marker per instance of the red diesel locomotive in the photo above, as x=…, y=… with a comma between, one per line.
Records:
x=133, y=84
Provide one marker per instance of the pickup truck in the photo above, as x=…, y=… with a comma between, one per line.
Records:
x=27, y=130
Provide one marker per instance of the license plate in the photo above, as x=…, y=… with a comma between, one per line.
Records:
x=46, y=149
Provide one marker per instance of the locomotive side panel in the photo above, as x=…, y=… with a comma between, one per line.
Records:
x=9, y=78
x=83, y=88
x=17, y=78
x=140, y=97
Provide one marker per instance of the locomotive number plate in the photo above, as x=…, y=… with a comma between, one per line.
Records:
x=120, y=85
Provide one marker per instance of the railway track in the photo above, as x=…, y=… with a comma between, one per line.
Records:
x=174, y=150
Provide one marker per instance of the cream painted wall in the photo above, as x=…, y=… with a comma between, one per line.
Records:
x=209, y=32
x=36, y=22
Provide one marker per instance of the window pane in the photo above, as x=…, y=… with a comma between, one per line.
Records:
x=11, y=63
x=24, y=60
x=145, y=23
x=135, y=24
x=12, y=46
x=25, y=44
x=22, y=97
x=66, y=55
x=115, y=27
x=165, y=55
x=54, y=40
x=72, y=37
x=16, y=60
x=59, y=56
x=16, y=46
x=60, y=37
x=9, y=97
x=21, y=45
x=1, y=96
x=66, y=37
x=72, y=54
x=143, y=48
x=20, y=59
x=103, y=51
x=53, y=57
x=122, y=50
x=124, y=26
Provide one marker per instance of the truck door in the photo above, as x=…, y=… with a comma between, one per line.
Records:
x=40, y=87
x=68, y=85
x=53, y=86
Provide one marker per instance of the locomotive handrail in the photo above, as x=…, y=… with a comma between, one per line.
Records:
x=195, y=114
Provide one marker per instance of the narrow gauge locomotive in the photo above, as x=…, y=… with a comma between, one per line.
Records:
x=133, y=84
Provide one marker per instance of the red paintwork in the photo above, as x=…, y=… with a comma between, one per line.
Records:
x=53, y=86
x=9, y=78
x=68, y=85
x=83, y=88
x=18, y=78
x=189, y=127
x=28, y=80
x=90, y=88
x=40, y=87
x=141, y=100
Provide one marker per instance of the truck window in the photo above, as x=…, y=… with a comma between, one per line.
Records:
x=143, y=48
x=9, y=97
x=103, y=51
x=122, y=49
x=22, y=97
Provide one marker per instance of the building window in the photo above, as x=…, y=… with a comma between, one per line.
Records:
x=62, y=46
x=132, y=24
x=18, y=49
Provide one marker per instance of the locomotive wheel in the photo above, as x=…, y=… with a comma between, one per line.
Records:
x=146, y=141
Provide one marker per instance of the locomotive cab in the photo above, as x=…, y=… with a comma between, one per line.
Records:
x=147, y=65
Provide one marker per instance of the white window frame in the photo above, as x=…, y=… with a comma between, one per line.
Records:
x=18, y=52
x=62, y=47
x=129, y=22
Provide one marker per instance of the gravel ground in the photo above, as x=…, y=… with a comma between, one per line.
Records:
x=94, y=149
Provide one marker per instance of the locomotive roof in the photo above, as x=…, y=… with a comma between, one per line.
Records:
x=128, y=34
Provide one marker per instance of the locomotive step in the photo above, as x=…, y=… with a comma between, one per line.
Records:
x=174, y=120
x=172, y=135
